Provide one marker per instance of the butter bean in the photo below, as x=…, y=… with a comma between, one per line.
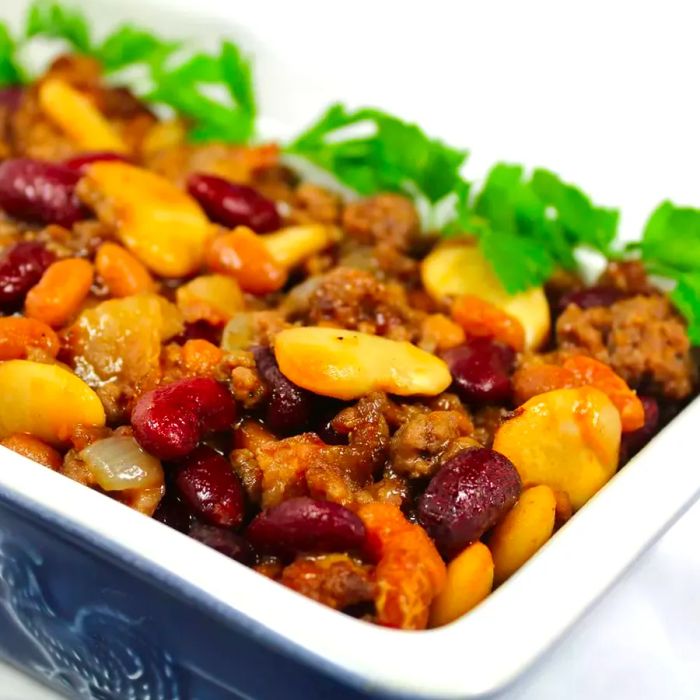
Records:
x=523, y=530
x=292, y=245
x=78, y=117
x=347, y=364
x=457, y=269
x=159, y=223
x=469, y=581
x=568, y=439
x=46, y=401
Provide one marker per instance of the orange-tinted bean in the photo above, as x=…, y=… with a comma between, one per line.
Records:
x=60, y=292
x=19, y=335
x=563, y=510
x=409, y=573
x=531, y=380
x=33, y=448
x=439, y=333
x=201, y=357
x=481, y=318
x=243, y=255
x=122, y=273
x=588, y=371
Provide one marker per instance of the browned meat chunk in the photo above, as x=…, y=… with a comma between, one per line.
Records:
x=315, y=204
x=641, y=338
x=384, y=218
x=417, y=446
x=335, y=580
x=486, y=423
x=357, y=300
x=628, y=277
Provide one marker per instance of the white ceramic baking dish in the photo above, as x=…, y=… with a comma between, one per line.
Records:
x=473, y=657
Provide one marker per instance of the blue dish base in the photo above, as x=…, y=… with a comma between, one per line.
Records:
x=89, y=625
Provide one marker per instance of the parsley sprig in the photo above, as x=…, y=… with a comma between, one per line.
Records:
x=369, y=150
x=529, y=225
x=213, y=91
x=670, y=248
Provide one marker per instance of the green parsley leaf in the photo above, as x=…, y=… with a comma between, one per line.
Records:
x=516, y=236
x=671, y=238
x=129, y=45
x=686, y=297
x=670, y=247
x=52, y=19
x=183, y=88
x=10, y=73
x=372, y=151
x=540, y=220
x=519, y=263
x=582, y=222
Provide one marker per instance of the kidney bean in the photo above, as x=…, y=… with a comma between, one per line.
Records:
x=33, y=190
x=11, y=96
x=481, y=370
x=82, y=162
x=169, y=422
x=207, y=483
x=21, y=267
x=232, y=205
x=288, y=409
x=633, y=441
x=224, y=541
x=468, y=496
x=591, y=297
x=306, y=525
x=172, y=512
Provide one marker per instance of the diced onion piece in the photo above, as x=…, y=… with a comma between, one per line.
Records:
x=239, y=332
x=118, y=463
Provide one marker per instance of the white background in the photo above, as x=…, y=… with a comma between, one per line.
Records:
x=605, y=93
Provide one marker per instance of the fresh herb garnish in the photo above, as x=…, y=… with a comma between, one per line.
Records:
x=529, y=226
x=181, y=87
x=10, y=73
x=52, y=19
x=129, y=45
x=371, y=151
x=670, y=247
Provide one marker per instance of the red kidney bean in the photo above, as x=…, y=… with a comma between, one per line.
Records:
x=10, y=97
x=169, y=422
x=288, y=408
x=82, y=162
x=591, y=297
x=232, y=205
x=481, y=370
x=468, y=496
x=33, y=190
x=224, y=541
x=634, y=441
x=21, y=267
x=207, y=483
x=306, y=525
x=172, y=512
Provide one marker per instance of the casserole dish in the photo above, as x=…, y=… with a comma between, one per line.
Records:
x=155, y=614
